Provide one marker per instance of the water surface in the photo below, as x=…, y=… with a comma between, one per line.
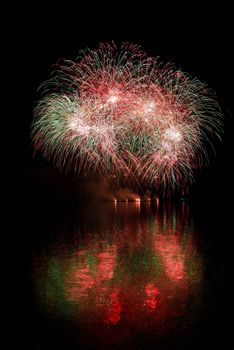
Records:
x=121, y=275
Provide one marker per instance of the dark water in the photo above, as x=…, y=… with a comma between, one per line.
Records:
x=127, y=276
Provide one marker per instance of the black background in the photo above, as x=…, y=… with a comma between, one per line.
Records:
x=198, y=40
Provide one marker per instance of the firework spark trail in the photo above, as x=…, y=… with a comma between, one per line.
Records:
x=121, y=112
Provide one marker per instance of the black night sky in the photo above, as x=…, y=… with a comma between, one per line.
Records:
x=198, y=41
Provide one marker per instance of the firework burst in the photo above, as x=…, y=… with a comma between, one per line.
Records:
x=123, y=113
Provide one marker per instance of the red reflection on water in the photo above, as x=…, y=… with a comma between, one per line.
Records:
x=169, y=249
x=83, y=278
x=106, y=265
x=152, y=293
x=79, y=282
x=114, y=309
